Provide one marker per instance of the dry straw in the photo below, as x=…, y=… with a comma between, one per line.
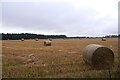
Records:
x=30, y=61
x=98, y=56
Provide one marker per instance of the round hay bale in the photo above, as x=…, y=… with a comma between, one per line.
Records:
x=36, y=39
x=50, y=39
x=47, y=43
x=98, y=56
x=103, y=39
x=64, y=38
x=22, y=39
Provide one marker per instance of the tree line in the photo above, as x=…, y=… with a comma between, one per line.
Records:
x=18, y=36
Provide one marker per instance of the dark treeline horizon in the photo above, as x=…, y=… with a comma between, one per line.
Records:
x=18, y=36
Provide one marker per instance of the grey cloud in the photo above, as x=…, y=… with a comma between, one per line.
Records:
x=0, y=12
x=57, y=17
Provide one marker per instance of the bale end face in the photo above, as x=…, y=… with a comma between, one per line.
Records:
x=103, y=58
x=99, y=57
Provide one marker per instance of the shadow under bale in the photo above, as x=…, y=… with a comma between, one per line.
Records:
x=98, y=56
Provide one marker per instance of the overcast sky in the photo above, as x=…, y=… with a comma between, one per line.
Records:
x=69, y=17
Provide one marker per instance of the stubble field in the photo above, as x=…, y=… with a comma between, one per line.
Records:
x=31, y=59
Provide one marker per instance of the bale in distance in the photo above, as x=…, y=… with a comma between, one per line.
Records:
x=103, y=39
x=50, y=39
x=47, y=43
x=64, y=38
x=98, y=56
x=36, y=39
x=22, y=39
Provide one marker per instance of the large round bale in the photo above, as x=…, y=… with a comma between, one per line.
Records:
x=47, y=43
x=103, y=39
x=98, y=56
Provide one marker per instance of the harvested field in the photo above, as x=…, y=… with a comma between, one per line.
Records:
x=30, y=58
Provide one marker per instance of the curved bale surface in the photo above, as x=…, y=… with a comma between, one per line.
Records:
x=98, y=56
